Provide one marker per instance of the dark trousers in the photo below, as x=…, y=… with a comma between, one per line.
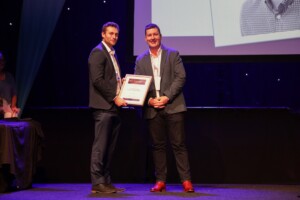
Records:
x=107, y=127
x=161, y=128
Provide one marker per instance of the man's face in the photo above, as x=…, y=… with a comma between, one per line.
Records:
x=110, y=36
x=153, y=38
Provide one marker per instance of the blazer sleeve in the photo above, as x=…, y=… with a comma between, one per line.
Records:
x=100, y=74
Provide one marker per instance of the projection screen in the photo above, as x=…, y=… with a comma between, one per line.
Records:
x=218, y=27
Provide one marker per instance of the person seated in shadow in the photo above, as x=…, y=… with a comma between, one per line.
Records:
x=8, y=92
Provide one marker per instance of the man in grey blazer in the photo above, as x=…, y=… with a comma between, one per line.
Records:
x=165, y=106
x=104, y=86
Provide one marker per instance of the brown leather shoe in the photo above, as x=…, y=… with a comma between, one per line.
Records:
x=187, y=186
x=103, y=188
x=116, y=188
x=159, y=186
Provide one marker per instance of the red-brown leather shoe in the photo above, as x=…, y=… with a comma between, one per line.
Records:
x=187, y=186
x=159, y=187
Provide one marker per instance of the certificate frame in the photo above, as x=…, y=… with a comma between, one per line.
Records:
x=135, y=88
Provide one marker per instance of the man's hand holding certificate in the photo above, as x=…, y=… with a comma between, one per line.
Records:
x=135, y=88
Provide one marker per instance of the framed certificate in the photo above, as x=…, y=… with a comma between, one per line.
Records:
x=135, y=88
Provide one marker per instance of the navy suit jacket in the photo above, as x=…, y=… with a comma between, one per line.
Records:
x=102, y=79
x=173, y=76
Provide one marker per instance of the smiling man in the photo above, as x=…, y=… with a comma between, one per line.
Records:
x=165, y=109
x=104, y=87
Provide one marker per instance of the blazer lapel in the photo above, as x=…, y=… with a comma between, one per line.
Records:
x=149, y=65
x=163, y=60
x=108, y=56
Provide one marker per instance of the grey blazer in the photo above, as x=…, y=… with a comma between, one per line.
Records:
x=102, y=79
x=173, y=76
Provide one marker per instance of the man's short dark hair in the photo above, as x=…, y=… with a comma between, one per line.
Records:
x=107, y=24
x=151, y=25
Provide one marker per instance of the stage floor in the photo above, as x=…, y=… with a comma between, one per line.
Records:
x=80, y=191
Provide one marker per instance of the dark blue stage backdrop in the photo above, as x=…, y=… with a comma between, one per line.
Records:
x=212, y=81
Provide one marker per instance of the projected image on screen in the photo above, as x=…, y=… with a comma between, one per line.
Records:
x=208, y=27
x=252, y=21
x=269, y=16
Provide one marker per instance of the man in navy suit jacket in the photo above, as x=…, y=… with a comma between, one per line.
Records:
x=165, y=106
x=104, y=76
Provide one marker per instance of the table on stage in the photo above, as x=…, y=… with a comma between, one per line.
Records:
x=20, y=150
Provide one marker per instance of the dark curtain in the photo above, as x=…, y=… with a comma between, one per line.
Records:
x=38, y=20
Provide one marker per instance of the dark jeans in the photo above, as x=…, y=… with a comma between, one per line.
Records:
x=161, y=128
x=107, y=127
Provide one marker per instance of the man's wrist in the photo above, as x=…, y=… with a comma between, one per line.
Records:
x=149, y=101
